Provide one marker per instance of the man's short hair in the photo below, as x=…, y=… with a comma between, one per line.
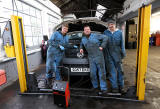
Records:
x=111, y=21
x=65, y=25
x=86, y=26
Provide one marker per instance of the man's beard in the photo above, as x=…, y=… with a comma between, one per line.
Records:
x=63, y=33
x=87, y=34
x=112, y=28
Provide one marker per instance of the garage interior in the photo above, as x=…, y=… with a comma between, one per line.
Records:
x=9, y=97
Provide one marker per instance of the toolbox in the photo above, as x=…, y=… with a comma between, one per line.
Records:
x=61, y=93
x=2, y=77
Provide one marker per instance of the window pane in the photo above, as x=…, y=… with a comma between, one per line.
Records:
x=35, y=41
x=27, y=20
x=7, y=13
x=36, y=31
x=25, y=9
x=29, y=41
x=32, y=11
x=53, y=19
x=38, y=22
x=33, y=21
x=40, y=39
x=49, y=18
x=9, y=4
x=19, y=6
x=27, y=31
x=38, y=14
x=33, y=31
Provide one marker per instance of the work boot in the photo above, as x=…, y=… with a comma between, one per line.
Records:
x=103, y=93
x=121, y=90
x=95, y=90
x=115, y=90
x=49, y=82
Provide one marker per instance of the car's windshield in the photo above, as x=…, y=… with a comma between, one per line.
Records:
x=78, y=35
x=75, y=35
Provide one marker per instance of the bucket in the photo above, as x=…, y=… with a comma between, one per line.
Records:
x=2, y=77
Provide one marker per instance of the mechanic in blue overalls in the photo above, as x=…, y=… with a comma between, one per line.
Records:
x=93, y=45
x=57, y=44
x=114, y=55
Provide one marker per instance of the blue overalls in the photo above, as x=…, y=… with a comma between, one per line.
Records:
x=115, y=52
x=55, y=54
x=96, y=58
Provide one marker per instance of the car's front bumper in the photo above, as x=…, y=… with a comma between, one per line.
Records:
x=75, y=63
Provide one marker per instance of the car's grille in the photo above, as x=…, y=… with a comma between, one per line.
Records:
x=75, y=41
x=71, y=53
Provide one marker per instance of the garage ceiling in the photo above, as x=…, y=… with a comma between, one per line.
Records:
x=88, y=8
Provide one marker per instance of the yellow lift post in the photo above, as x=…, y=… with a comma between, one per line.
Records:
x=15, y=47
x=20, y=50
x=142, y=49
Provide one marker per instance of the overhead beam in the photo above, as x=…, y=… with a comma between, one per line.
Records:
x=81, y=10
x=66, y=1
x=110, y=3
x=66, y=4
x=110, y=13
x=88, y=10
x=71, y=5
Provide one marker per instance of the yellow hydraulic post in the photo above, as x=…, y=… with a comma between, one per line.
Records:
x=142, y=49
x=20, y=51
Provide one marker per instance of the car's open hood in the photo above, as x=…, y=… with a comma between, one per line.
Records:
x=78, y=24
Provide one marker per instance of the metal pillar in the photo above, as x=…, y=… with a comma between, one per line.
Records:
x=142, y=49
x=20, y=51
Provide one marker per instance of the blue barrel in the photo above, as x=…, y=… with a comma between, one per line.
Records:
x=151, y=41
x=130, y=45
x=135, y=45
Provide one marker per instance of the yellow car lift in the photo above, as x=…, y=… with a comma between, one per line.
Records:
x=142, y=49
x=18, y=50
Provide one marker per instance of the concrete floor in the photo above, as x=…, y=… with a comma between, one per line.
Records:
x=9, y=98
x=152, y=76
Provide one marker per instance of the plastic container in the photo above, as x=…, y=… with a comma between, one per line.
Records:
x=2, y=77
x=130, y=45
x=157, y=42
x=151, y=41
x=134, y=45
